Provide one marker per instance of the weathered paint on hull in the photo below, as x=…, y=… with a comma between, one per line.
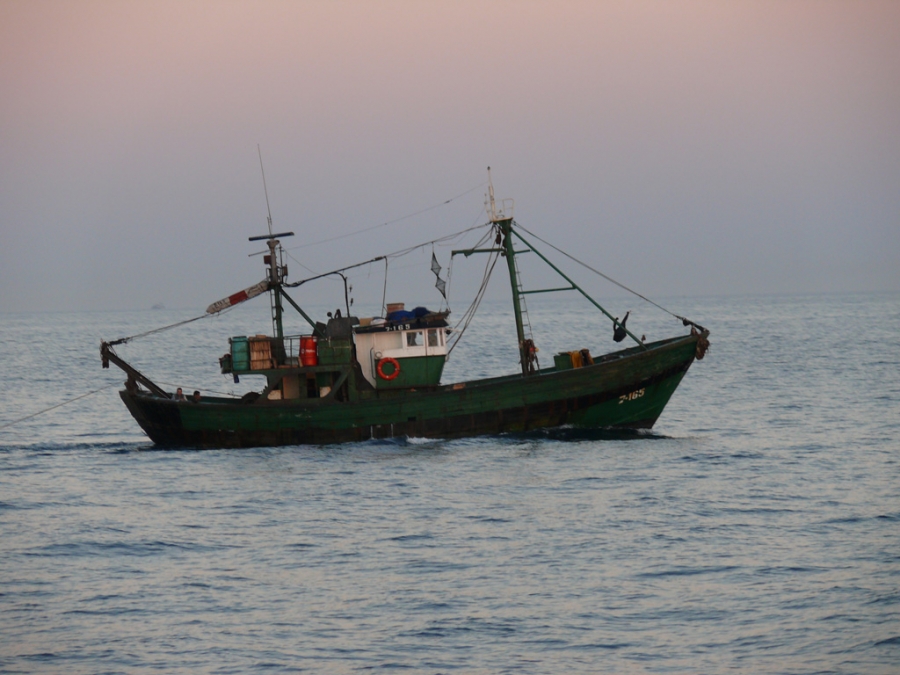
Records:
x=627, y=392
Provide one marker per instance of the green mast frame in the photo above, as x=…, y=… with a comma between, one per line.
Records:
x=505, y=225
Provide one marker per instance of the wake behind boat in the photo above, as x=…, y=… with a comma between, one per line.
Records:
x=351, y=379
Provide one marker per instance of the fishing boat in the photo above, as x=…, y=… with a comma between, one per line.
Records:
x=349, y=379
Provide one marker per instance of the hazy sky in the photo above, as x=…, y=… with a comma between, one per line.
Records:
x=684, y=147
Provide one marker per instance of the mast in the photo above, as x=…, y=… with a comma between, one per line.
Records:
x=504, y=225
x=275, y=281
x=277, y=272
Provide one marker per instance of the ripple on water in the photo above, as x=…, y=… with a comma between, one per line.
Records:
x=753, y=530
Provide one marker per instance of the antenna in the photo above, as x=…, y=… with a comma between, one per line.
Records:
x=506, y=205
x=268, y=208
x=265, y=189
x=492, y=212
x=277, y=271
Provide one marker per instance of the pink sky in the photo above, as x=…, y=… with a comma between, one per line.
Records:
x=757, y=141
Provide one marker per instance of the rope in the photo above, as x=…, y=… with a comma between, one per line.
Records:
x=609, y=279
x=469, y=314
x=53, y=407
x=473, y=308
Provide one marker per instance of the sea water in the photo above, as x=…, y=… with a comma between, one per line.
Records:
x=755, y=529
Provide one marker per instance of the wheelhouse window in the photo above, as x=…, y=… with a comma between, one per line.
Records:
x=414, y=338
x=432, y=338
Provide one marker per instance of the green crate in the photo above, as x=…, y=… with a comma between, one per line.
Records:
x=240, y=353
x=334, y=351
x=562, y=361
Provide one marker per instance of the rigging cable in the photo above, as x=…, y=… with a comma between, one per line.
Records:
x=287, y=253
x=390, y=222
x=476, y=303
x=469, y=314
x=384, y=291
x=610, y=279
x=395, y=254
x=445, y=241
x=439, y=240
x=122, y=341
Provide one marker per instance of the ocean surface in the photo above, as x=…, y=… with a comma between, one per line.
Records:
x=755, y=529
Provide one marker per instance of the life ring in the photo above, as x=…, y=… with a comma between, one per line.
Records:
x=380, y=368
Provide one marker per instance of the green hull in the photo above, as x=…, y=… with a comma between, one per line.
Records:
x=626, y=389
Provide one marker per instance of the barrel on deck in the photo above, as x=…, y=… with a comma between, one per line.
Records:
x=308, y=353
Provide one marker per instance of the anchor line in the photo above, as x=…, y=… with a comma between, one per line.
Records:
x=58, y=405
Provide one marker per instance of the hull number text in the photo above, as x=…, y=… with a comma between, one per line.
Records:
x=631, y=397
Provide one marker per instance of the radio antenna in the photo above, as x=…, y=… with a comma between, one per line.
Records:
x=265, y=189
x=277, y=272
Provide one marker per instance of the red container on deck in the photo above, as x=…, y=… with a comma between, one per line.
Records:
x=308, y=354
